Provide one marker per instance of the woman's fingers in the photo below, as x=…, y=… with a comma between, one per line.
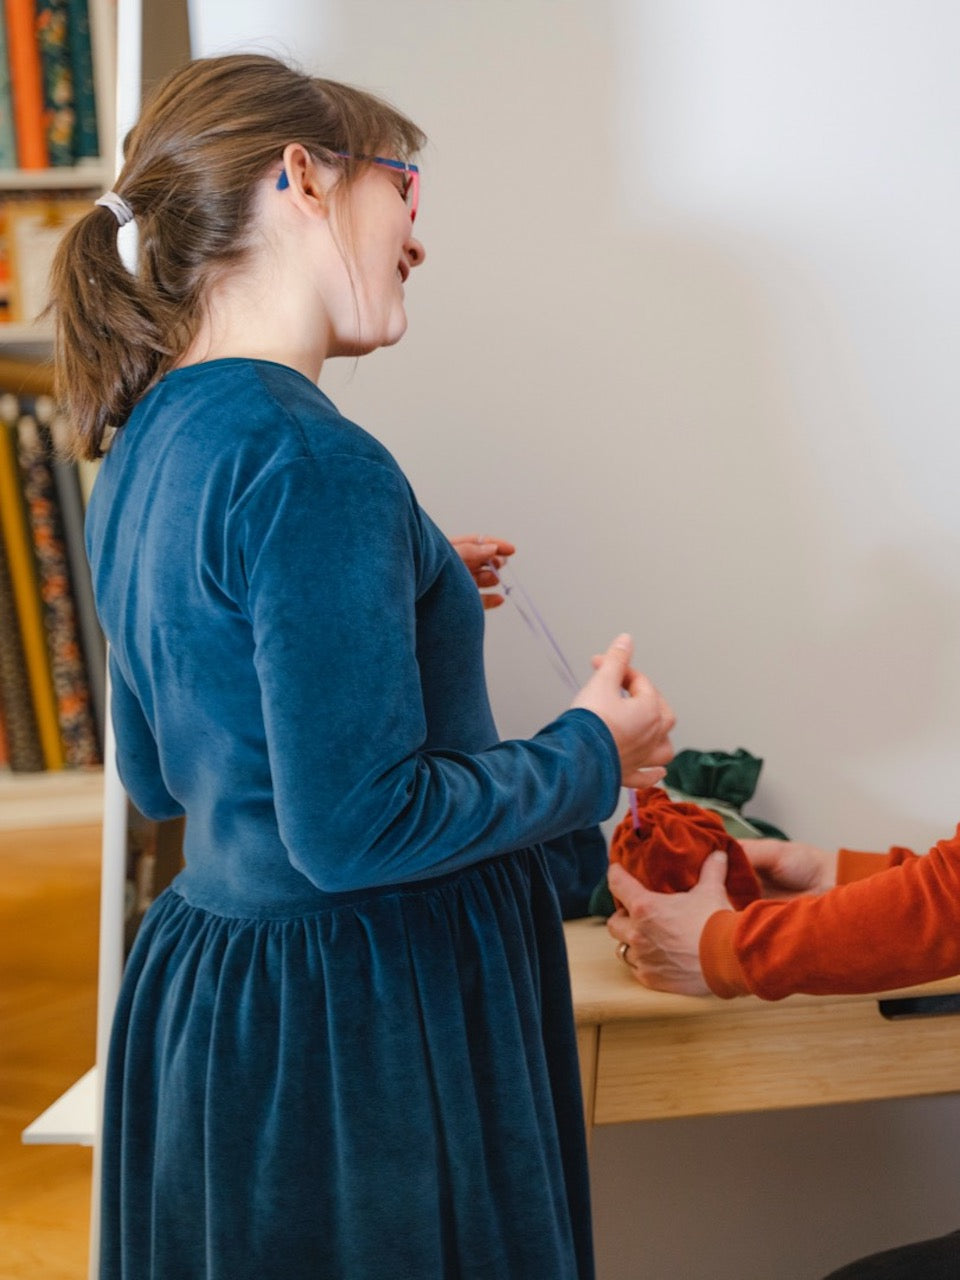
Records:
x=483, y=557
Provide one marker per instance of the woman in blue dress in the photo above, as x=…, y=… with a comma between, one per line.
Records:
x=344, y=1046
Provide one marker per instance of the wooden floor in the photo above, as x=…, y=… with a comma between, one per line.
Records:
x=49, y=890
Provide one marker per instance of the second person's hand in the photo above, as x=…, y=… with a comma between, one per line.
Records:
x=660, y=932
x=789, y=868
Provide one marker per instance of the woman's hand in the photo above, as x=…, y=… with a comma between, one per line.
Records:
x=640, y=721
x=661, y=931
x=787, y=868
x=480, y=555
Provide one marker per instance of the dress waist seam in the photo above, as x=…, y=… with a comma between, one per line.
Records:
x=323, y=903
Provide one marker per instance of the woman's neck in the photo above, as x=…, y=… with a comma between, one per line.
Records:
x=253, y=319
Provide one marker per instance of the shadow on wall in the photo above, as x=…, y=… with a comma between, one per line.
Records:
x=769, y=1196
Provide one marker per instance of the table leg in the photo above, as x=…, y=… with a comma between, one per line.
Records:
x=588, y=1041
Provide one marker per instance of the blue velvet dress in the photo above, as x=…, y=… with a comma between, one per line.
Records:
x=344, y=1046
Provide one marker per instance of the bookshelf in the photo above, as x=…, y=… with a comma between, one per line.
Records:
x=85, y=180
x=119, y=53
x=58, y=796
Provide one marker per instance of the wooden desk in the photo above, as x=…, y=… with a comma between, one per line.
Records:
x=645, y=1055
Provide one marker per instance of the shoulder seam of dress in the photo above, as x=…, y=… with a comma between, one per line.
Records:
x=283, y=464
x=254, y=371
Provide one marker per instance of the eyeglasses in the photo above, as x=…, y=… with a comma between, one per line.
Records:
x=409, y=188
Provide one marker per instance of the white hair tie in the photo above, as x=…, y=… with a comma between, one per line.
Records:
x=117, y=206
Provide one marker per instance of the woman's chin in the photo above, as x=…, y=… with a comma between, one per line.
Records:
x=362, y=345
x=394, y=331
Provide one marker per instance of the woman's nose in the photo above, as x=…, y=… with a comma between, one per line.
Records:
x=415, y=252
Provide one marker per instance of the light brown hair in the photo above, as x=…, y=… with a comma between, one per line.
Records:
x=208, y=135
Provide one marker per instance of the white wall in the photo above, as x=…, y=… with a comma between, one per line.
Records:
x=686, y=333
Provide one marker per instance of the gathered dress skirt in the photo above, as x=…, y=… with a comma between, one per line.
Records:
x=385, y=1087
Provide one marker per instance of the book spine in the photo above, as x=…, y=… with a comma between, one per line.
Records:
x=67, y=483
x=59, y=113
x=26, y=84
x=26, y=596
x=86, y=135
x=23, y=737
x=67, y=666
x=8, y=137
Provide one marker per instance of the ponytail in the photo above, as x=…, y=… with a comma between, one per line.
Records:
x=110, y=339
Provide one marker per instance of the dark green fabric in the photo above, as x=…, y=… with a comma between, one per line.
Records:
x=729, y=777
x=601, y=901
x=720, y=775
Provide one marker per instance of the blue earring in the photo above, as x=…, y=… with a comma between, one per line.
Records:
x=283, y=181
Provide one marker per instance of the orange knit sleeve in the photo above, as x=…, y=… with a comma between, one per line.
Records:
x=854, y=864
x=718, y=956
x=893, y=928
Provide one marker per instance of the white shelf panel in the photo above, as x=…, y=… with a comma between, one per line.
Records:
x=25, y=334
x=76, y=177
x=29, y=800
x=71, y=1120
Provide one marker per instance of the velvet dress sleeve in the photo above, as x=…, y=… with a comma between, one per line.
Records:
x=137, y=757
x=332, y=560
x=894, y=928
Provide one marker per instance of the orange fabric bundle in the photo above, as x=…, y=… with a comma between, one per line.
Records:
x=673, y=840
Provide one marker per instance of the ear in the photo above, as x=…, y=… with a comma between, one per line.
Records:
x=304, y=183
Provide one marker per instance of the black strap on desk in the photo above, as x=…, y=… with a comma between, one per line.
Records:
x=919, y=1006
